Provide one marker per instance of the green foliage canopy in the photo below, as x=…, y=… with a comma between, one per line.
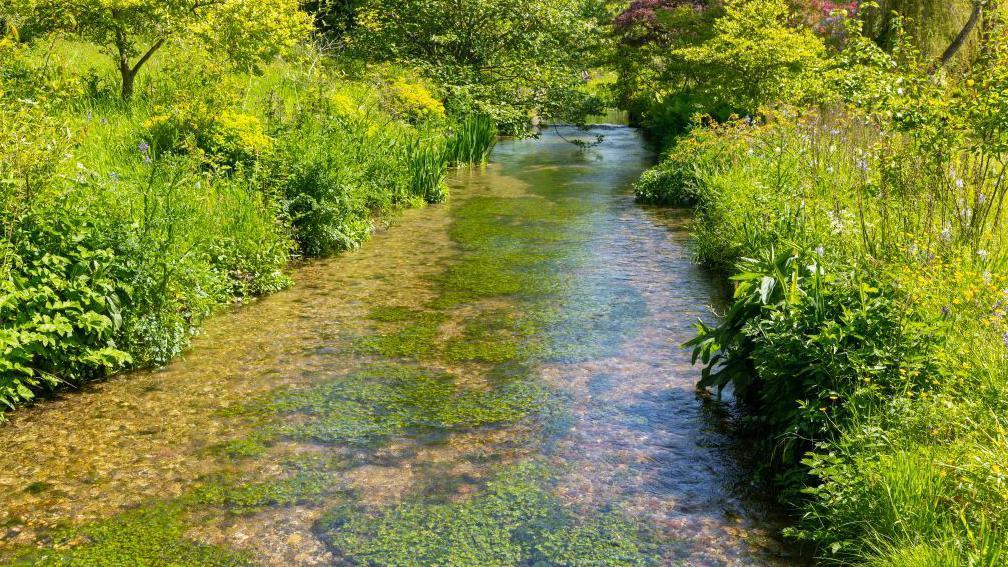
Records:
x=755, y=57
x=504, y=58
x=246, y=32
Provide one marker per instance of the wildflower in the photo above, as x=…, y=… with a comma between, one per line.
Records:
x=899, y=91
x=830, y=170
x=144, y=148
x=913, y=250
x=1004, y=338
x=981, y=198
x=834, y=132
x=959, y=183
x=966, y=213
x=862, y=165
x=104, y=120
x=946, y=234
x=983, y=254
x=820, y=251
x=113, y=176
x=945, y=311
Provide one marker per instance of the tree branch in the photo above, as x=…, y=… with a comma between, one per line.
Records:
x=964, y=34
x=146, y=56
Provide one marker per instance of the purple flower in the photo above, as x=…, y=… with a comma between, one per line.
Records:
x=1004, y=338
x=144, y=148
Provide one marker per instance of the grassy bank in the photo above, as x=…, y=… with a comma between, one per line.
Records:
x=858, y=214
x=127, y=223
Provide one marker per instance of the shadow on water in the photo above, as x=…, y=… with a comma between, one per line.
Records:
x=497, y=381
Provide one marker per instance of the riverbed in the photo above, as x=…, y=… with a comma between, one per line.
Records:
x=494, y=381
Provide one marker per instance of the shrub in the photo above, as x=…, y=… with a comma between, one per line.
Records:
x=333, y=176
x=61, y=304
x=414, y=102
x=226, y=137
x=694, y=160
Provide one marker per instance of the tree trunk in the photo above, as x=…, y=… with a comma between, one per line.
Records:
x=129, y=72
x=128, y=78
x=960, y=39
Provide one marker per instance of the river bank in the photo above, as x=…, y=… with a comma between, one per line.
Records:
x=519, y=368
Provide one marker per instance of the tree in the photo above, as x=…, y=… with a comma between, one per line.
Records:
x=503, y=58
x=755, y=57
x=334, y=19
x=655, y=84
x=247, y=32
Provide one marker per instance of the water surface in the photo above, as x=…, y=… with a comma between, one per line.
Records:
x=495, y=381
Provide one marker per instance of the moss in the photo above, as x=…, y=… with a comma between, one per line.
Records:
x=515, y=521
x=255, y=444
x=150, y=536
x=240, y=495
x=493, y=337
x=37, y=487
x=414, y=339
x=386, y=400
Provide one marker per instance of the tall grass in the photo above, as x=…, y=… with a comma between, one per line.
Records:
x=471, y=141
x=427, y=163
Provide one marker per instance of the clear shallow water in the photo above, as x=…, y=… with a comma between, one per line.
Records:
x=493, y=381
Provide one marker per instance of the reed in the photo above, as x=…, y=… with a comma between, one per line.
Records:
x=472, y=141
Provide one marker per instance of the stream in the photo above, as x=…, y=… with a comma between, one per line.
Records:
x=495, y=381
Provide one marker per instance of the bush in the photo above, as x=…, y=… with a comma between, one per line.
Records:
x=61, y=304
x=678, y=179
x=226, y=137
x=413, y=102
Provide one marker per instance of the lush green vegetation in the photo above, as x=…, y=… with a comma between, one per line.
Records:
x=516, y=521
x=848, y=175
x=160, y=160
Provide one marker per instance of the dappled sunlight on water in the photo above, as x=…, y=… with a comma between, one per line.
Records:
x=494, y=381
